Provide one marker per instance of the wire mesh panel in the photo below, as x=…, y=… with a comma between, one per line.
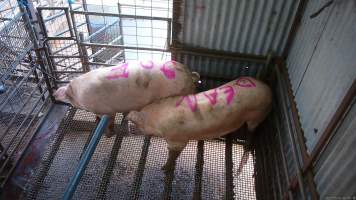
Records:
x=23, y=89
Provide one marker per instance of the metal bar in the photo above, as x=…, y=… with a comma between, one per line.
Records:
x=101, y=50
x=58, y=38
x=85, y=58
x=121, y=31
x=75, y=32
x=292, y=140
x=111, y=163
x=123, y=47
x=71, y=187
x=271, y=161
x=220, y=54
x=69, y=72
x=169, y=29
x=140, y=168
x=51, y=8
x=84, y=5
x=300, y=136
x=281, y=149
x=64, y=56
x=64, y=48
x=229, y=182
x=97, y=63
x=199, y=165
x=119, y=15
x=114, y=56
x=100, y=30
x=65, y=31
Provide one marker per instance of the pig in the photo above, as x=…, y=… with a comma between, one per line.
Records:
x=128, y=86
x=206, y=115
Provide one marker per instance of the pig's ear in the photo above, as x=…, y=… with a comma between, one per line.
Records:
x=195, y=77
x=136, y=117
x=61, y=95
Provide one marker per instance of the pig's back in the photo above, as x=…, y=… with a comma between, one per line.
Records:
x=98, y=92
x=212, y=121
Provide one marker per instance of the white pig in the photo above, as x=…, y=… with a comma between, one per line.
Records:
x=205, y=115
x=128, y=86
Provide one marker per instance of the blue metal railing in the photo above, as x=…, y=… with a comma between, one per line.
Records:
x=88, y=153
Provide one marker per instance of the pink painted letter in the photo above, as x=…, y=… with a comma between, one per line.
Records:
x=229, y=91
x=211, y=96
x=119, y=72
x=191, y=101
x=168, y=70
x=147, y=65
x=245, y=82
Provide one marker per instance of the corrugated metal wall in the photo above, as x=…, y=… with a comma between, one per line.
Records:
x=321, y=63
x=335, y=174
x=243, y=26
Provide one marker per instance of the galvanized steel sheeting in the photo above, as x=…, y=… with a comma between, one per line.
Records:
x=245, y=26
x=335, y=174
x=322, y=64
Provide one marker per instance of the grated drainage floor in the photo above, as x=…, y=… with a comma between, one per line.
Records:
x=128, y=166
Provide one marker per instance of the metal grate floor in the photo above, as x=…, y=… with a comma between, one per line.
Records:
x=128, y=166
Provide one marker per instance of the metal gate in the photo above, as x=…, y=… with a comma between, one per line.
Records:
x=79, y=39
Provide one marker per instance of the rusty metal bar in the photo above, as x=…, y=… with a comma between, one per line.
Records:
x=199, y=165
x=299, y=131
x=219, y=54
x=292, y=140
x=281, y=149
x=229, y=182
x=140, y=169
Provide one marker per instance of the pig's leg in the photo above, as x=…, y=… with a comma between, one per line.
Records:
x=111, y=125
x=174, y=150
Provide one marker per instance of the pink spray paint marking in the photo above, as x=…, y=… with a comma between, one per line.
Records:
x=168, y=70
x=230, y=92
x=191, y=101
x=245, y=82
x=119, y=72
x=147, y=65
x=212, y=97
